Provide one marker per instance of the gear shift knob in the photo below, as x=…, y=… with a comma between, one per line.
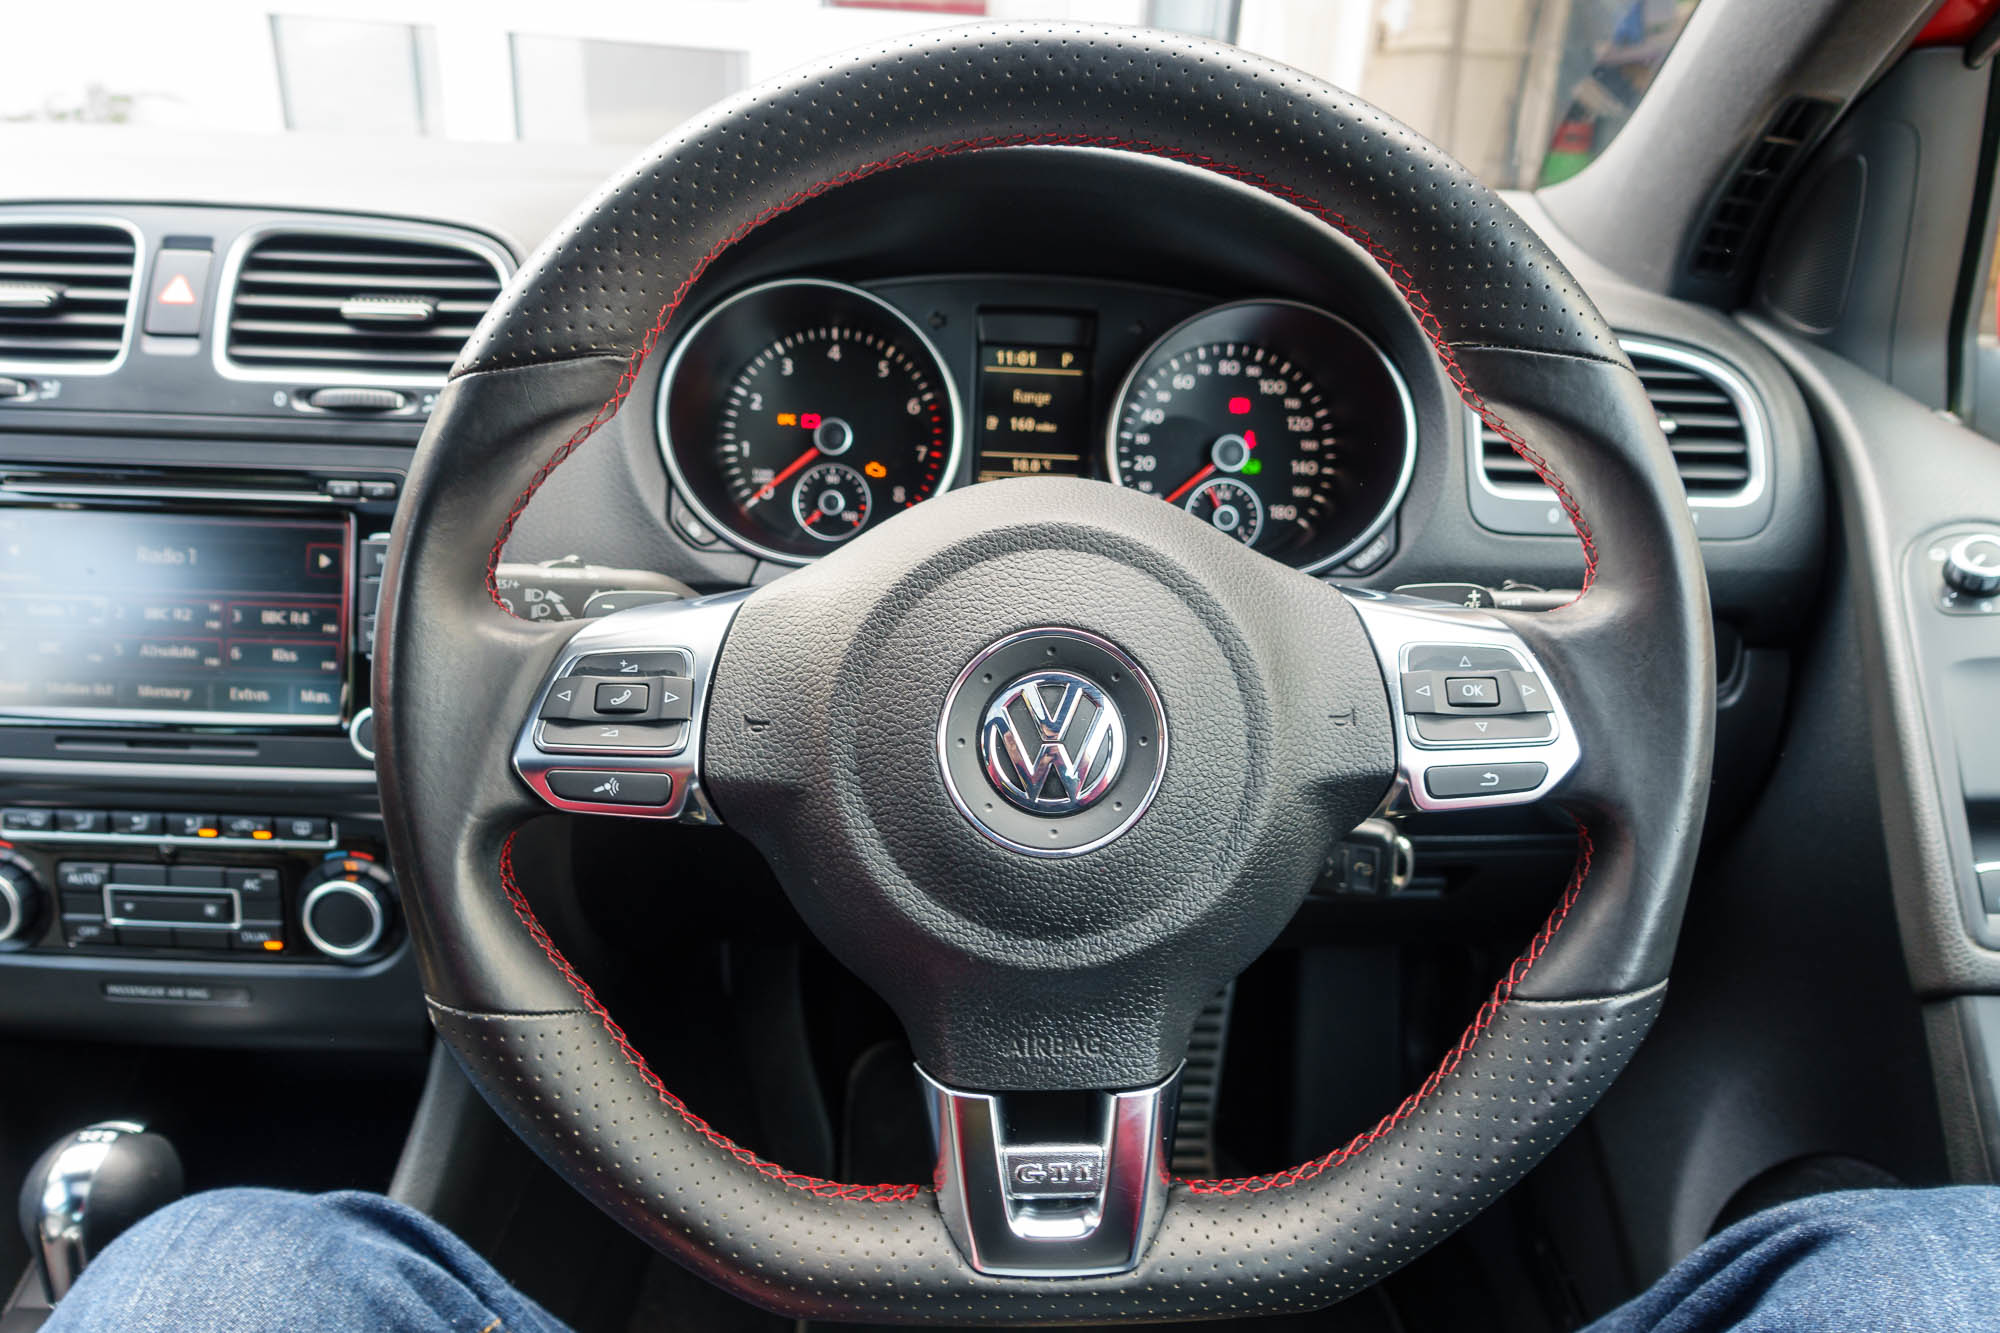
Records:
x=87, y=1189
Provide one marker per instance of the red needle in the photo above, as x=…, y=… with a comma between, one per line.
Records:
x=770, y=487
x=1192, y=482
x=1249, y=442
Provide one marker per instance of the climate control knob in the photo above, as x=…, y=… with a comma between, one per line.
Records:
x=344, y=907
x=20, y=899
x=1972, y=566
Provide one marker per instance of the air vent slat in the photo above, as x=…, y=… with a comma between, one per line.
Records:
x=345, y=358
x=1693, y=448
x=454, y=334
x=1685, y=421
x=356, y=283
x=1697, y=475
x=301, y=301
x=41, y=349
x=373, y=262
x=81, y=274
x=66, y=320
x=1703, y=419
x=34, y=270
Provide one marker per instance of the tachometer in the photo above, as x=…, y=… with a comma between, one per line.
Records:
x=1278, y=425
x=798, y=414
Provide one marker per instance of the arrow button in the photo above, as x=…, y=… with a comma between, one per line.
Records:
x=1534, y=695
x=676, y=694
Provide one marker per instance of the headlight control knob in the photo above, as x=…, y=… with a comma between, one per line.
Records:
x=20, y=899
x=345, y=905
x=1972, y=566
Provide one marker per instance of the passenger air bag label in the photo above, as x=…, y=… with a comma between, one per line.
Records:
x=145, y=992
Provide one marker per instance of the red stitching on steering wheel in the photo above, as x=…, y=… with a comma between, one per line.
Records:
x=828, y=1189
x=1405, y=282
x=1503, y=991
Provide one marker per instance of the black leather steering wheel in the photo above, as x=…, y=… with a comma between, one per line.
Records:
x=824, y=730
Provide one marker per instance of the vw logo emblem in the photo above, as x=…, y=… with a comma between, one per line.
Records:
x=1052, y=742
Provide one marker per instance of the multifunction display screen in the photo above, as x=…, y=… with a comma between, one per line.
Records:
x=1034, y=411
x=190, y=619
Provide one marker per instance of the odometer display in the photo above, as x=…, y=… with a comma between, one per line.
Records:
x=798, y=414
x=1278, y=425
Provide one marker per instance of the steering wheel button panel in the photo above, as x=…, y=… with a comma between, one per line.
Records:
x=1429, y=652
x=645, y=765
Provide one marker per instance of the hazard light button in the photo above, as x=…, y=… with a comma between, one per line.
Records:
x=178, y=293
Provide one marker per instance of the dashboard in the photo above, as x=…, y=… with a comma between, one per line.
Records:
x=202, y=450
x=799, y=413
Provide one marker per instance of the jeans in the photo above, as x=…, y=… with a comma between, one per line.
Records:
x=238, y=1260
x=259, y=1261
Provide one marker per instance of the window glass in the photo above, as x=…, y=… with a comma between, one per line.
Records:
x=574, y=90
x=347, y=77
x=1523, y=91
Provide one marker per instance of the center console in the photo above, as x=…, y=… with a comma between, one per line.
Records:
x=190, y=847
x=204, y=430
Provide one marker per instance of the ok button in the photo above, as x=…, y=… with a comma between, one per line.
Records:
x=1472, y=691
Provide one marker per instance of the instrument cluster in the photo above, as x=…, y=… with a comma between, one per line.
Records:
x=796, y=414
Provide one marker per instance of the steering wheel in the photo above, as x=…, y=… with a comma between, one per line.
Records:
x=1047, y=762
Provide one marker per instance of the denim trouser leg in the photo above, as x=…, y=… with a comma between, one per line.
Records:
x=262, y=1261
x=259, y=1261
x=1885, y=1261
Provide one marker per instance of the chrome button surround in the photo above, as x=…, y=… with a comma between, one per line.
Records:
x=1395, y=625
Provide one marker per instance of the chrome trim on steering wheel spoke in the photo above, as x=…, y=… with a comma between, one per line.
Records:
x=693, y=629
x=1397, y=624
x=1086, y=1207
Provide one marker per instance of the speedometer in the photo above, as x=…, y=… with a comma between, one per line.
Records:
x=1277, y=424
x=798, y=414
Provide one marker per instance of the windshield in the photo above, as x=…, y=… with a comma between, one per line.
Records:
x=1524, y=92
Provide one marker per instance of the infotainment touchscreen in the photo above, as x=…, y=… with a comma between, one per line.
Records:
x=144, y=616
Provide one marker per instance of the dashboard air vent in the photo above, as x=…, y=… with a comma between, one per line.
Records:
x=1705, y=413
x=1740, y=211
x=65, y=292
x=356, y=304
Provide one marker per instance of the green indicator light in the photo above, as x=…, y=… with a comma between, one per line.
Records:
x=1253, y=467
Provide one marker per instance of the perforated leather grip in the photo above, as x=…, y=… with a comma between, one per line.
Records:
x=1477, y=274
x=1285, y=1244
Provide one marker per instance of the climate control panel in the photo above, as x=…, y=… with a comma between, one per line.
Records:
x=229, y=895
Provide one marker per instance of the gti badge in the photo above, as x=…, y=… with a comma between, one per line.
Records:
x=1053, y=742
